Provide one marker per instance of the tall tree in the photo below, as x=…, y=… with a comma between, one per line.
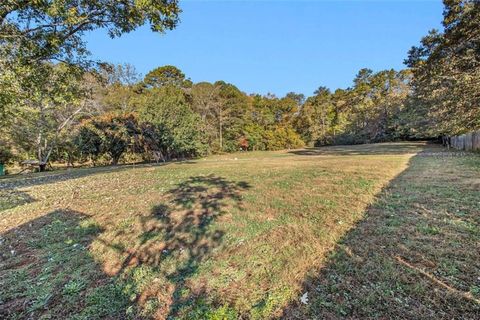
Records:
x=121, y=89
x=172, y=125
x=222, y=108
x=299, y=98
x=446, y=69
x=314, y=119
x=57, y=94
x=206, y=101
x=165, y=76
x=34, y=32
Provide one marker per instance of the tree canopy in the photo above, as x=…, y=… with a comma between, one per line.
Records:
x=164, y=76
x=446, y=72
x=58, y=107
x=33, y=31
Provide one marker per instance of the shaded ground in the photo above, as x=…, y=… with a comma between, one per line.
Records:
x=416, y=253
x=47, y=269
x=388, y=148
x=42, y=178
x=45, y=264
x=245, y=236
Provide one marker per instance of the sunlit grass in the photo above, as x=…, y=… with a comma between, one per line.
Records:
x=224, y=236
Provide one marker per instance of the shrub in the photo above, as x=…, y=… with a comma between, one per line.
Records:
x=282, y=138
x=110, y=134
x=6, y=154
x=169, y=125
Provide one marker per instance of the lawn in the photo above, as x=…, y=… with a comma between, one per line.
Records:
x=380, y=231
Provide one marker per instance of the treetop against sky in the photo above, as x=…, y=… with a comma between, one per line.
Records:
x=277, y=46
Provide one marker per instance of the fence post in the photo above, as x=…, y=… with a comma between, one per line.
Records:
x=476, y=140
x=468, y=141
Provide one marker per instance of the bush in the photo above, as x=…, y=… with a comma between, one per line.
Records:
x=6, y=154
x=109, y=134
x=169, y=125
x=282, y=138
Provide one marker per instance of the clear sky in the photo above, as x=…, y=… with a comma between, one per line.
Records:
x=277, y=46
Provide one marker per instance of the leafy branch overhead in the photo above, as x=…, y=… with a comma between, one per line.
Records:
x=45, y=30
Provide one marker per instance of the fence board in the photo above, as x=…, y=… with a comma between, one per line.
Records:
x=476, y=140
x=469, y=141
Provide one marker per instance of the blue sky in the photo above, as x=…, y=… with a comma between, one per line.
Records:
x=277, y=46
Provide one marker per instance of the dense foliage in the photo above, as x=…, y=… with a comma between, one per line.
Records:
x=164, y=116
x=33, y=32
x=55, y=106
x=370, y=111
x=109, y=134
x=446, y=69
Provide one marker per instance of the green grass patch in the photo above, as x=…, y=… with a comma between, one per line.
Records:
x=244, y=236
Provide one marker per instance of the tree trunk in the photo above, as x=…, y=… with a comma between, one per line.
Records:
x=221, y=128
x=323, y=131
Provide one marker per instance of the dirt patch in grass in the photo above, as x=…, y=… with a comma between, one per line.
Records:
x=244, y=235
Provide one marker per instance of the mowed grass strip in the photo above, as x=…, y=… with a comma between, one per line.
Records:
x=226, y=236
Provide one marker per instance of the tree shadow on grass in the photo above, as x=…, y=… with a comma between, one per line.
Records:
x=50, y=266
x=413, y=256
x=362, y=149
x=42, y=178
x=13, y=198
x=46, y=270
x=174, y=239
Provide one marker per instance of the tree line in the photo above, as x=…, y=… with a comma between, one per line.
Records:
x=57, y=105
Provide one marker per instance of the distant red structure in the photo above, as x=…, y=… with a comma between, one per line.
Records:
x=243, y=143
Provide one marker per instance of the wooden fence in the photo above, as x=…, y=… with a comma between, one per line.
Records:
x=469, y=141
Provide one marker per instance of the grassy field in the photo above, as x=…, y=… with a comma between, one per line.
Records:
x=377, y=231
